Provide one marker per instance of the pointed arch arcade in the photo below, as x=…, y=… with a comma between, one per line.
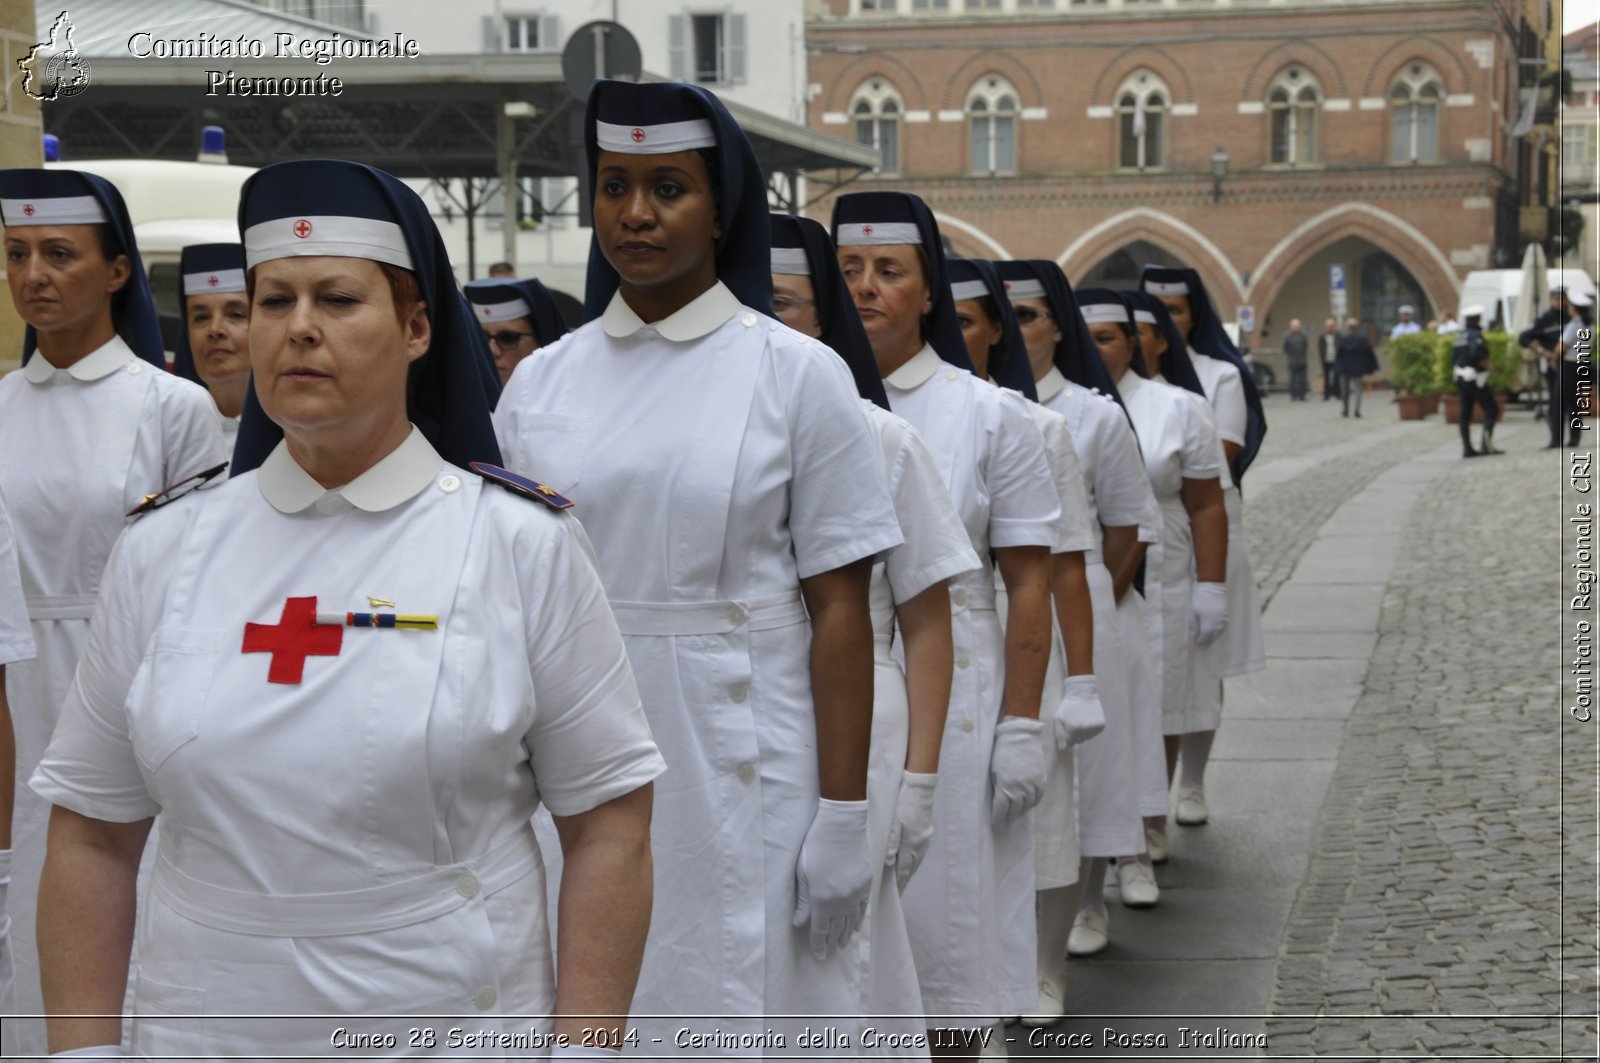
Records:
x=1180, y=239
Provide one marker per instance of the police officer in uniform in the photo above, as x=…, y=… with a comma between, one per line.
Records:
x=1470, y=355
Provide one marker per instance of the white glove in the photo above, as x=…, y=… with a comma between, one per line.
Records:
x=913, y=826
x=92, y=1052
x=1016, y=767
x=1208, y=612
x=584, y=1052
x=8, y=971
x=834, y=875
x=1079, y=716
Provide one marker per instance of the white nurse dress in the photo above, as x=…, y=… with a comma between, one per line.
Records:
x=345, y=811
x=79, y=448
x=992, y=459
x=720, y=458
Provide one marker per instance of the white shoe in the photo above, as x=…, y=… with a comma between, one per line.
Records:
x=1051, y=1007
x=1088, y=934
x=1155, y=840
x=1138, y=885
x=1192, y=810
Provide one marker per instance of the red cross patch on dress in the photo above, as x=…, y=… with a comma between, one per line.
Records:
x=295, y=636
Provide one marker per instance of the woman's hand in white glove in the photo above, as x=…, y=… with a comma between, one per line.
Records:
x=834, y=875
x=1208, y=612
x=1079, y=716
x=913, y=826
x=1016, y=768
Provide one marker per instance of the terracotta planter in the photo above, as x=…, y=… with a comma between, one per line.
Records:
x=1430, y=404
x=1412, y=407
x=1451, y=405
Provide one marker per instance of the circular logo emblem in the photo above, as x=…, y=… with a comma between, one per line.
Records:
x=66, y=74
x=27, y=208
x=212, y=280
x=485, y=311
x=866, y=230
x=302, y=228
x=638, y=136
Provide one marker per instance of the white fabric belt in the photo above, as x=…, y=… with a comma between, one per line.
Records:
x=980, y=592
x=1477, y=376
x=708, y=618
x=396, y=904
x=60, y=606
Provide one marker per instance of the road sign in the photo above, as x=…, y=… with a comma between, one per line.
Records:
x=1339, y=303
x=599, y=49
x=1246, y=318
x=1336, y=276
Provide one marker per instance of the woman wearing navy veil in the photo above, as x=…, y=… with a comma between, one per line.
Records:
x=732, y=490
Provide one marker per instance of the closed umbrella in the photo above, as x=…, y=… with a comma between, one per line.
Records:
x=1531, y=299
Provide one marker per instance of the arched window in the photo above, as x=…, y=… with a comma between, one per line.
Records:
x=1414, y=101
x=1293, y=100
x=992, y=125
x=876, y=109
x=1141, y=120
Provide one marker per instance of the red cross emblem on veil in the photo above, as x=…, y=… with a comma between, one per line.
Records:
x=302, y=228
x=295, y=636
x=637, y=135
x=212, y=280
x=27, y=208
x=866, y=230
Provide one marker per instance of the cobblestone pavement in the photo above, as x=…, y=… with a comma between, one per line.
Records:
x=1438, y=908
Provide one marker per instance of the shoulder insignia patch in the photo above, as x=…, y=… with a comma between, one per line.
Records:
x=520, y=485
x=176, y=491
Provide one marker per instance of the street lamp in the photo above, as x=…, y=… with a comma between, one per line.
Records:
x=1219, y=170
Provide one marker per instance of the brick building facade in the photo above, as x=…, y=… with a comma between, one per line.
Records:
x=1372, y=134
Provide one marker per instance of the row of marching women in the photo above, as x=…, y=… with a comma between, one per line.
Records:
x=773, y=665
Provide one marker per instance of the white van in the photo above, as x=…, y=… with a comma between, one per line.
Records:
x=1497, y=291
x=172, y=204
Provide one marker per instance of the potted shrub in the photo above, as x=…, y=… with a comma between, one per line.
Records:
x=1412, y=372
x=1503, y=359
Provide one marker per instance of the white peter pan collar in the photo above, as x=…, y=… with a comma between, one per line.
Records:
x=702, y=316
x=98, y=363
x=1129, y=383
x=1050, y=385
x=399, y=477
x=916, y=372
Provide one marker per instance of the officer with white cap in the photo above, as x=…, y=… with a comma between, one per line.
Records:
x=1470, y=357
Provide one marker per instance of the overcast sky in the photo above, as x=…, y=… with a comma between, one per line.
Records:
x=1576, y=14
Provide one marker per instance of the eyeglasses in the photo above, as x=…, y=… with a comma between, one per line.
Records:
x=782, y=304
x=1027, y=315
x=508, y=338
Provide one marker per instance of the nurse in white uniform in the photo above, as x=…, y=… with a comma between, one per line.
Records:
x=1184, y=464
x=913, y=654
x=345, y=787
x=517, y=318
x=1241, y=424
x=1071, y=699
x=732, y=489
x=213, y=348
x=1073, y=381
x=91, y=425
x=16, y=644
x=992, y=459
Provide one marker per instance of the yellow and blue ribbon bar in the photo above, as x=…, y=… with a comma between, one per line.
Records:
x=400, y=620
